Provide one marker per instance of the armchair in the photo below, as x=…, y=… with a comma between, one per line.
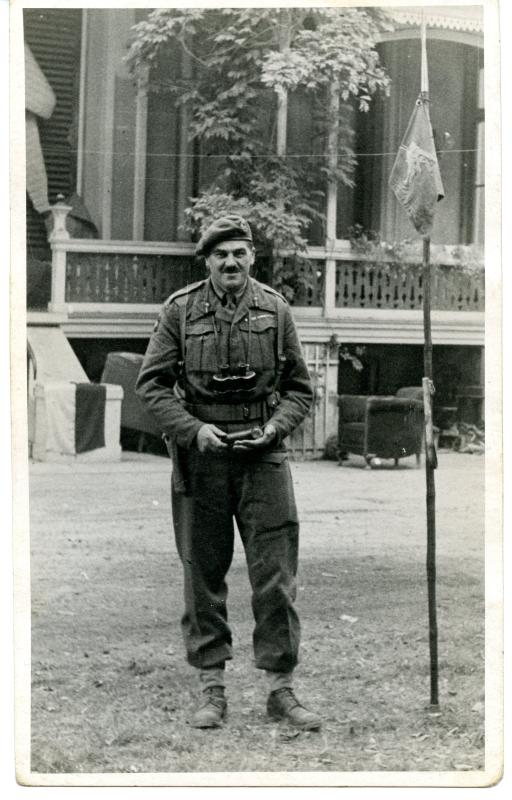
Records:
x=381, y=426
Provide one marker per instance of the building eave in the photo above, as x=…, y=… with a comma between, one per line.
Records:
x=463, y=18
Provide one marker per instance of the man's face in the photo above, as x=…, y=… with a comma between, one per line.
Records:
x=229, y=264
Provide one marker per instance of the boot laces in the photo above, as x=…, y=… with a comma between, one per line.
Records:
x=287, y=697
x=213, y=698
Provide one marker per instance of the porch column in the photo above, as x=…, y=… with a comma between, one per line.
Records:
x=184, y=162
x=139, y=179
x=332, y=198
x=282, y=94
x=58, y=239
x=81, y=105
x=282, y=111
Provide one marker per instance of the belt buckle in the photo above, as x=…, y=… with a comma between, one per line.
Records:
x=245, y=411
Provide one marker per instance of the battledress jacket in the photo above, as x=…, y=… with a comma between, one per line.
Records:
x=209, y=329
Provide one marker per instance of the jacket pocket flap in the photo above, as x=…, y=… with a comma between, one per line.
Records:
x=260, y=322
x=199, y=327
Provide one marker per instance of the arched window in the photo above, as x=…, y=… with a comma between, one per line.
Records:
x=457, y=114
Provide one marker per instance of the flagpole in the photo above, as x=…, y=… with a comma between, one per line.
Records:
x=416, y=183
x=424, y=67
x=430, y=453
x=430, y=465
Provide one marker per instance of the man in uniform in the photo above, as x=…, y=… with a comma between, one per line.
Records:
x=225, y=379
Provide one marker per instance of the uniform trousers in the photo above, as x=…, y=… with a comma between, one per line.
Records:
x=257, y=492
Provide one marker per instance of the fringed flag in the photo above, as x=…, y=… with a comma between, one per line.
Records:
x=415, y=178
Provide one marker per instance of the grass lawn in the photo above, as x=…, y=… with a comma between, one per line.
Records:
x=112, y=691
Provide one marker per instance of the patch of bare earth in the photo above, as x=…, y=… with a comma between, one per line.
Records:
x=112, y=691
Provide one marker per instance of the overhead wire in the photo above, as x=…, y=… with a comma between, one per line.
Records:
x=60, y=149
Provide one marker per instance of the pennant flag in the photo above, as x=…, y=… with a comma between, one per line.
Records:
x=415, y=178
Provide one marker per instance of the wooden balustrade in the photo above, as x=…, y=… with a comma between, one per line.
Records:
x=127, y=278
x=133, y=273
x=361, y=284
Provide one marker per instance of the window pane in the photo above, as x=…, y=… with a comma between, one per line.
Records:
x=166, y=170
x=453, y=110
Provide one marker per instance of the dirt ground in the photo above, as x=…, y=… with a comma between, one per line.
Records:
x=112, y=691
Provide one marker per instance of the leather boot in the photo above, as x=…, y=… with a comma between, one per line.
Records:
x=282, y=704
x=212, y=710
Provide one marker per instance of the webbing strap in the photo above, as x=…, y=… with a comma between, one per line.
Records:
x=280, y=346
x=182, y=305
x=217, y=412
x=280, y=331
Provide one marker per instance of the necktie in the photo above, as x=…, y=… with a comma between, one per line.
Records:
x=229, y=302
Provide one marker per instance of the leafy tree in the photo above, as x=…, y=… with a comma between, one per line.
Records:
x=238, y=62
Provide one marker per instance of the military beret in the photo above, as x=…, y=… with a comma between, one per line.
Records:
x=231, y=226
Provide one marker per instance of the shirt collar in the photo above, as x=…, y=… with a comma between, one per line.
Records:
x=221, y=294
x=256, y=297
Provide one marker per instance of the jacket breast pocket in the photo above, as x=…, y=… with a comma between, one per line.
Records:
x=263, y=339
x=200, y=352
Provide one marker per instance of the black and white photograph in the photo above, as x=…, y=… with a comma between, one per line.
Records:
x=255, y=348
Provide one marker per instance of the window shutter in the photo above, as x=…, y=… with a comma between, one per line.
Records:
x=54, y=37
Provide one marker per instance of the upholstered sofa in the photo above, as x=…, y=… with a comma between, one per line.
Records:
x=381, y=426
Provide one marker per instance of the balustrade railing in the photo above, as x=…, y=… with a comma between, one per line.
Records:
x=149, y=278
x=307, y=281
x=127, y=278
x=98, y=273
x=362, y=284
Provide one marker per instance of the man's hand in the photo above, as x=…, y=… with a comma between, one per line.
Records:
x=247, y=445
x=209, y=439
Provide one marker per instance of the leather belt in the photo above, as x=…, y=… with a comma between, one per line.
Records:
x=223, y=412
